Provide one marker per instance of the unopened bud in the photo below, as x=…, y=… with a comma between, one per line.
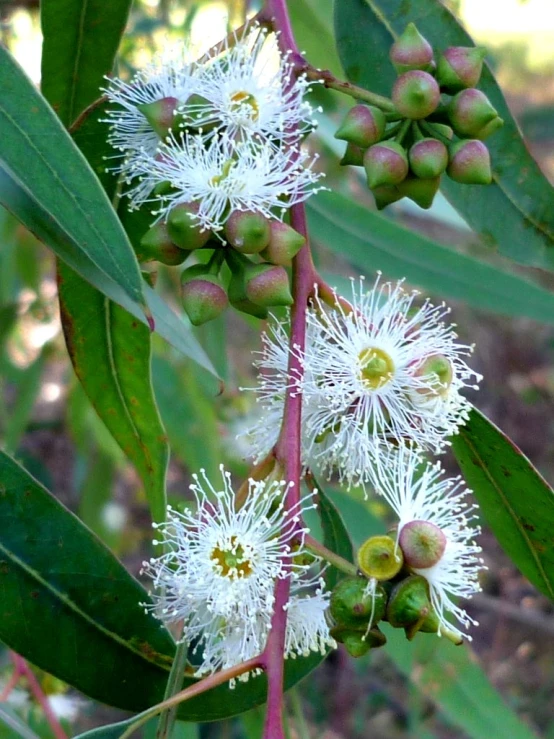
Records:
x=470, y=163
x=386, y=195
x=437, y=371
x=160, y=114
x=385, y=164
x=428, y=158
x=267, y=285
x=422, y=192
x=354, y=156
x=379, y=557
x=156, y=245
x=422, y=544
x=203, y=295
x=470, y=112
x=236, y=292
x=409, y=606
x=354, y=604
x=415, y=94
x=358, y=643
x=363, y=126
x=184, y=229
x=284, y=244
x=443, y=130
x=460, y=67
x=247, y=232
x=411, y=51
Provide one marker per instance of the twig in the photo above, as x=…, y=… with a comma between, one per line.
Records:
x=24, y=670
x=335, y=559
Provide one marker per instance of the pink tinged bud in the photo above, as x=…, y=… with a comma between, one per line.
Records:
x=411, y=51
x=284, y=244
x=184, y=229
x=386, y=195
x=422, y=544
x=421, y=191
x=438, y=372
x=470, y=111
x=354, y=155
x=363, y=126
x=415, y=94
x=460, y=67
x=428, y=158
x=239, y=300
x=247, y=232
x=267, y=285
x=203, y=296
x=385, y=164
x=160, y=114
x=470, y=163
x=156, y=245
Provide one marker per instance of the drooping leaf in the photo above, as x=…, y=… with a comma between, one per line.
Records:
x=48, y=185
x=514, y=214
x=371, y=242
x=110, y=351
x=516, y=502
x=80, y=41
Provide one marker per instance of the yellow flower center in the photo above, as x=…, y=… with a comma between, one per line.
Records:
x=227, y=166
x=241, y=100
x=377, y=368
x=231, y=562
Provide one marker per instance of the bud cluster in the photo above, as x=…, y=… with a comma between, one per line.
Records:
x=438, y=125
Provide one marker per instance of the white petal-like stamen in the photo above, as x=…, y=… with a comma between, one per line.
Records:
x=307, y=624
x=419, y=492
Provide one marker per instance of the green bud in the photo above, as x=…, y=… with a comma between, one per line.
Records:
x=363, y=126
x=460, y=67
x=470, y=163
x=184, y=229
x=160, y=114
x=247, y=232
x=422, y=543
x=409, y=605
x=156, y=245
x=470, y=112
x=203, y=295
x=415, y=94
x=353, y=156
x=385, y=164
x=422, y=192
x=386, y=195
x=267, y=285
x=438, y=372
x=428, y=158
x=380, y=557
x=411, y=51
x=443, y=129
x=284, y=244
x=358, y=643
x=351, y=604
x=236, y=292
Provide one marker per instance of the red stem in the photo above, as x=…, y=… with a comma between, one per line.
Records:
x=23, y=668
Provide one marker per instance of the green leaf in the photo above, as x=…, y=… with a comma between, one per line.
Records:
x=515, y=500
x=14, y=723
x=514, y=214
x=28, y=387
x=110, y=351
x=80, y=41
x=46, y=182
x=335, y=535
x=57, y=579
x=371, y=242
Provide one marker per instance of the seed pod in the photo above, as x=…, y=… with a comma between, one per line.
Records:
x=428, y=158
x=411, y=51
x=422, y=543
x=183, y=228
x=156, y=245
x=470, y=163
x=203, y=295
x=385, y=164
x=352, y=605
x=160, y=114
x=284, y=244
x=472, y=114
x=415, y=94
x=380, y=557
x=422, y=192
x=363, y=126
x=460, y=67
x=247, y=232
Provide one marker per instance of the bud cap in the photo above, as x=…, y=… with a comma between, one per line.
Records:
x=284, y=244
x=422, y=543
x=411, y=51
x=267, y=285
x=184, y=229
x=470, y=111
x=416, y=94
x=363, y=126
x=203, y=297
x=428, y=158
x=470, y=163
x=248, y=232
x=460, y=67
x=385, y=163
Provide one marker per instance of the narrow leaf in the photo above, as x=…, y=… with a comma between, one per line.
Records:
x=515, y=500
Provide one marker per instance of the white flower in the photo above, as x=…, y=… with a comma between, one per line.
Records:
x=171, y=75
x=420, y=493
x=66, y=707
x=222, y=176
x=249, y=91
x=307, y=626
x=387, y=373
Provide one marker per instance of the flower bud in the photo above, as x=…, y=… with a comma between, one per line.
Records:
x=284, y=244
x=160, y=114
x=411, y=51
x=415, y=94
x=248, y=232
x=438, y=372
x=409, y=606
x=358, y=643
x=352, y=603
x=385, y=164
x=460, y=67
x=422, y=544
x=353, y=155
x=379, y=557
x=422, y=192
x=203, y=295
x=236, y=292
x=386, y=195
x=267, y=285
x=470, y=112
x=156, y=245
x=428, y=158
x=443, y=130
x=470, y=163
x=184, y=229
x=363, y=126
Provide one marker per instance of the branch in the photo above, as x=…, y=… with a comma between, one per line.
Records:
x=24, y=670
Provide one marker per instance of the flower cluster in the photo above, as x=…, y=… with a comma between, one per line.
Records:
x=218, y=571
